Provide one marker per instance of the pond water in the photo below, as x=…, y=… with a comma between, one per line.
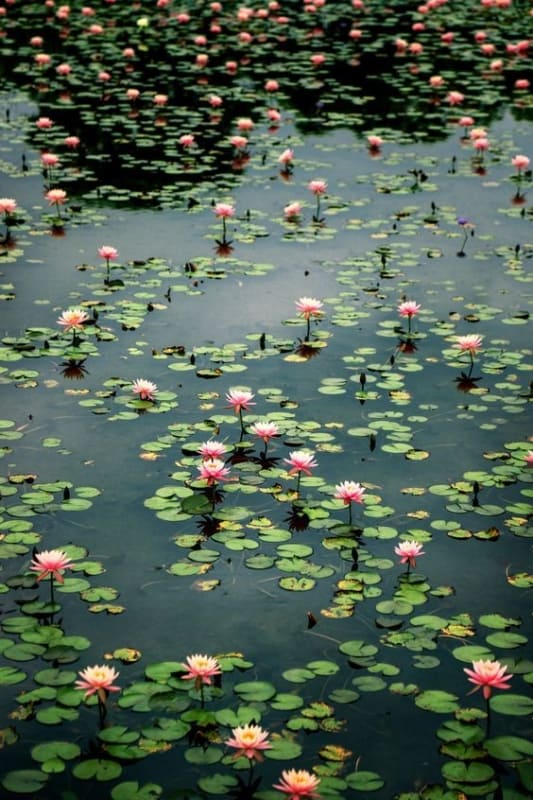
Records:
x=353, y=662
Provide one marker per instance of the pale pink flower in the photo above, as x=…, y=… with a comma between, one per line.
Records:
x=415, y=48
x=408, y=308
x=42, y=59
x=202, y=60
x=481, y=144
x=470, y=343
x=56, y=197
x=49, y=159
x=212, y=449
x=145, y=389
x=297, y=783
x=36, y=41
x=520, y=162
x=63, y=69
x=183, y=17
x=436, y=81
x=374, y=141
x=245, y=124
x=271, y=85
x=455, y=98
x=301, y=461
x=215, y=100
x=213, y=470
x=108, y=252
x=160, y=99
x=309, y=307
x=73, y=319
x=245, y=37
x=489, y=675
x=478, y=133
x=529, y=458
x=240, y=399
x=132, y=94
x=95, y=29
x=466, y=122
x=317, y=187
x=521, y=83
x=98, y=680
x=287, y=157
x=317, y=59
x=201, y=669
x=249, y=740
x=104, y=76
x=292, y=211
x=71, y=141
x=265, y=430
x=50, y=563
x=409, y=552
x=186, y=140
x=200, y=40
x=44, y=123
x=8, y=206
x=239, y=142
x=128, y=52
x=349, y=492
x=231, y=67
x=224, y=210
x=273, y=114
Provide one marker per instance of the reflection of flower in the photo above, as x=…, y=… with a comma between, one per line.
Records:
x=145, y=389
x=298, y=783
x=50, y=563
x=409, y=552
x=213, y=470
x=98, y=679
x=249, y=740
x=73, y=369
x=201, y=669
x=73, y=319
x=489, y=675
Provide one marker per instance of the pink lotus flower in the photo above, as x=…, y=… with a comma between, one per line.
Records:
x=56, y=197
x=470, y=343
x=50, y=563
x=408, y=309
x=489, y=675
x=297, y=783
x=309, y=307
x=98, y=680
x=349, y=492
x=292, y=211
x=145, y=389
x=529, y=458
x=240, y=399
x=71, y=141
x=215, y=100
x=73, y=319
x=201, y=669
x=455, y=98
x=466, y=122
x=63, y=69
x=317, y=187
x=409, y=552
x=187, y=140
x=212, y=449
x=521, y=83
x=132, y=94
x=249, y=740
x=245, y=124
x=481, y=144
x=108, y=252
x=44, y=123
x=49, y=159
x=301, y=461
x=42, y=59
x=160, y=100
x=239, y=142
x=224, y=210
x=374, y=141
x=273, y=114
x=271, y=85
x=36, y=41
x=286, y=158
x=213, y=470
x=265, y=430
x=317, y=59
x=520, y=162
x=8, y=206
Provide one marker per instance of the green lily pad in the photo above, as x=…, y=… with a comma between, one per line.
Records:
x=24, y=781
x=516, y=705
x=438, y=701
x=98, y=769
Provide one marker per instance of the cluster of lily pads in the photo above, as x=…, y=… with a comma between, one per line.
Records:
x=184, y=107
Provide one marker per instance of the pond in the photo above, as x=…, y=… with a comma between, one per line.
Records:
x=266, y=375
